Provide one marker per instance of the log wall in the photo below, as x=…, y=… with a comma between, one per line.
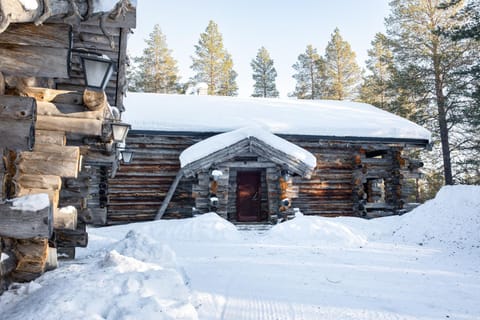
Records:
x=351, y=179
x=138, y=189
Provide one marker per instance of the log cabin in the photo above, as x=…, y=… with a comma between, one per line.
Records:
x=255, y=160
x=56, y=124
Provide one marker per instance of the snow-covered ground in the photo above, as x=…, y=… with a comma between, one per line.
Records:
x=422, y=265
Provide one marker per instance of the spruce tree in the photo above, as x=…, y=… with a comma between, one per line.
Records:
x=156, y=70
x=343, y=75
x=213, y=63
x=264, y=74
x=310, y=75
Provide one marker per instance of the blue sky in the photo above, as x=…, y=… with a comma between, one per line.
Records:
x=284, y=27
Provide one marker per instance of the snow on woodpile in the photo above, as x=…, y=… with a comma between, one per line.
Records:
x=33, y=202
x=224, y=140
x=162, y=112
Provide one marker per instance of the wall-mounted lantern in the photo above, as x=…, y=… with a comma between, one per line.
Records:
x=119, y=131
x=127, y=156
x=97, y=69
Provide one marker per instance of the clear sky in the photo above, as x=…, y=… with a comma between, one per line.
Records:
x=283, y=27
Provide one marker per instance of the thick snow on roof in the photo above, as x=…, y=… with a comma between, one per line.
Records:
x=221, y=141
x=161, y=112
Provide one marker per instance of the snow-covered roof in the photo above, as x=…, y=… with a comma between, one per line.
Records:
x=162, y=112
x=225, y=140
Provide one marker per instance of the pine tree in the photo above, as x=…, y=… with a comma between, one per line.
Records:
x=227, y=82
x=437, y=60
x=264, y=74
x=156, y=70
x=213, y=63
x=343, y=75
x=310, y=75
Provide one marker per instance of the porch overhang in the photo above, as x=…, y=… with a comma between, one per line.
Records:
x=223, y=147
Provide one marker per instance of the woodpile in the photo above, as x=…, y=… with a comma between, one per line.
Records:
x=17, y=118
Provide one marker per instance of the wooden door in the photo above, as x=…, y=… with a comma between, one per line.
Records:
x=248, y=196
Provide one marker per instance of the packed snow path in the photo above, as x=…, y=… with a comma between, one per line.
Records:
x=423, y=265
x=252, y=280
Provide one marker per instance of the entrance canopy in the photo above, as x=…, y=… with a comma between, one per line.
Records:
x=223, y=147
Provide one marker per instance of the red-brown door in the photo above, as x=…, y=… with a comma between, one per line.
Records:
x=248, y=196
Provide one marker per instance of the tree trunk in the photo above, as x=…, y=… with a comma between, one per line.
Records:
x=442, y=118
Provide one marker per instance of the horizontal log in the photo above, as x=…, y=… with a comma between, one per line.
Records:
x=28, y=34
x=49, y=182
x=34, y=61
x=21, y=224
x=68, y=110
x=50, y=162
x=43, y=137
x=54, y=95
x=91, y=127
x=71, y=238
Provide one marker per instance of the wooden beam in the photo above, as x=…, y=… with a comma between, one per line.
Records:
x=31, y=61
x=20, y=224
x=169, y=195
x=28, y=34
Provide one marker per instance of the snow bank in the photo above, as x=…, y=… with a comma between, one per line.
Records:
x=204, y=227
x=224, y=140
x=450, y=220
x=163, y=112
x=310, y=230
x=134, y=278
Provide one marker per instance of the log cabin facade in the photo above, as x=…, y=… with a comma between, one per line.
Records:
x=56, y=135
x=361, y=158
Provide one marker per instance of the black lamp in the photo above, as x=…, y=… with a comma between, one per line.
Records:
x=97, y=69
x=119, y=131
x=127, y=156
